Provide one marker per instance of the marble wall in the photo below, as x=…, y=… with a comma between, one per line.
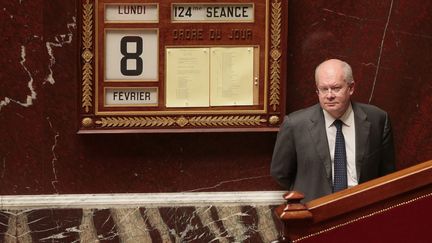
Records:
x=181, y=224
x=388, y=43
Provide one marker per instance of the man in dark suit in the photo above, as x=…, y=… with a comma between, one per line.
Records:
x=334, y=144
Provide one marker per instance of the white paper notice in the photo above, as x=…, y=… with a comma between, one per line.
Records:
x=232, y=71
x=187, y=79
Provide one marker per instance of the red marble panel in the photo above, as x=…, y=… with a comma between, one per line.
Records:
x=54, y=225
x=152, y=230
x=218, y=222
x=4, y=222
x=250, y=218
x=122, y=224
x=387, y=42
x=105, y=226
x=185, y=225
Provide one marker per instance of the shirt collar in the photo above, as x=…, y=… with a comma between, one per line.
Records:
x=347, y=118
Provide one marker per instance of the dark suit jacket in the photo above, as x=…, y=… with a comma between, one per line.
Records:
x=301, y=158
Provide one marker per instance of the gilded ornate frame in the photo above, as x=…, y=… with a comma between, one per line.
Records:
x=184, y=121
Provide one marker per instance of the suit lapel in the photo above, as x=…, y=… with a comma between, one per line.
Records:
x=319, y=136
x=362, y=130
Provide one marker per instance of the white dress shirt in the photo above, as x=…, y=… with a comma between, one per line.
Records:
x=348, y=130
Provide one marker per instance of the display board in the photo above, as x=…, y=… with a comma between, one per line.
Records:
x=170, y=66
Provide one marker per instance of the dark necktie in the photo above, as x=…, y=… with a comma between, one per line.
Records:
x=340, y=160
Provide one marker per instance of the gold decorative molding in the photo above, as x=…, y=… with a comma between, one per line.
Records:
x=275, y=54
x=182, y=121
x=226, y=120
x=95, y=114
x=135, y=121
x=274, y=120
x=87, y=122
x=198, y=121
x=87, y=55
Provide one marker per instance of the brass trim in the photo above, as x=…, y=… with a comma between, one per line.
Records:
x=362, y=217
x=275, y=54
x=174, y=111
x=224, y=118
x=266, y=55
x=96, y=66
x=87, y=122
x=274, y=120
x=135, y=121
x=87, y=55
x=197, y=121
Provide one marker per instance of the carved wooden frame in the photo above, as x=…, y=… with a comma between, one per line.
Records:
x=266, y=119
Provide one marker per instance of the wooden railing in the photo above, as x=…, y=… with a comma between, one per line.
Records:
x=324, y=213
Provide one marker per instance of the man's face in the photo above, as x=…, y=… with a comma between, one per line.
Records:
x=334, y=93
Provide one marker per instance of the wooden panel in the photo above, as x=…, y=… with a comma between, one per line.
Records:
x=366, y=200
x=260, y=28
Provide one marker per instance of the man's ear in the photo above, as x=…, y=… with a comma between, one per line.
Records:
x=351, y=87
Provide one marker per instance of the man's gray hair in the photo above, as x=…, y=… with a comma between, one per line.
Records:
x=348, y=75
